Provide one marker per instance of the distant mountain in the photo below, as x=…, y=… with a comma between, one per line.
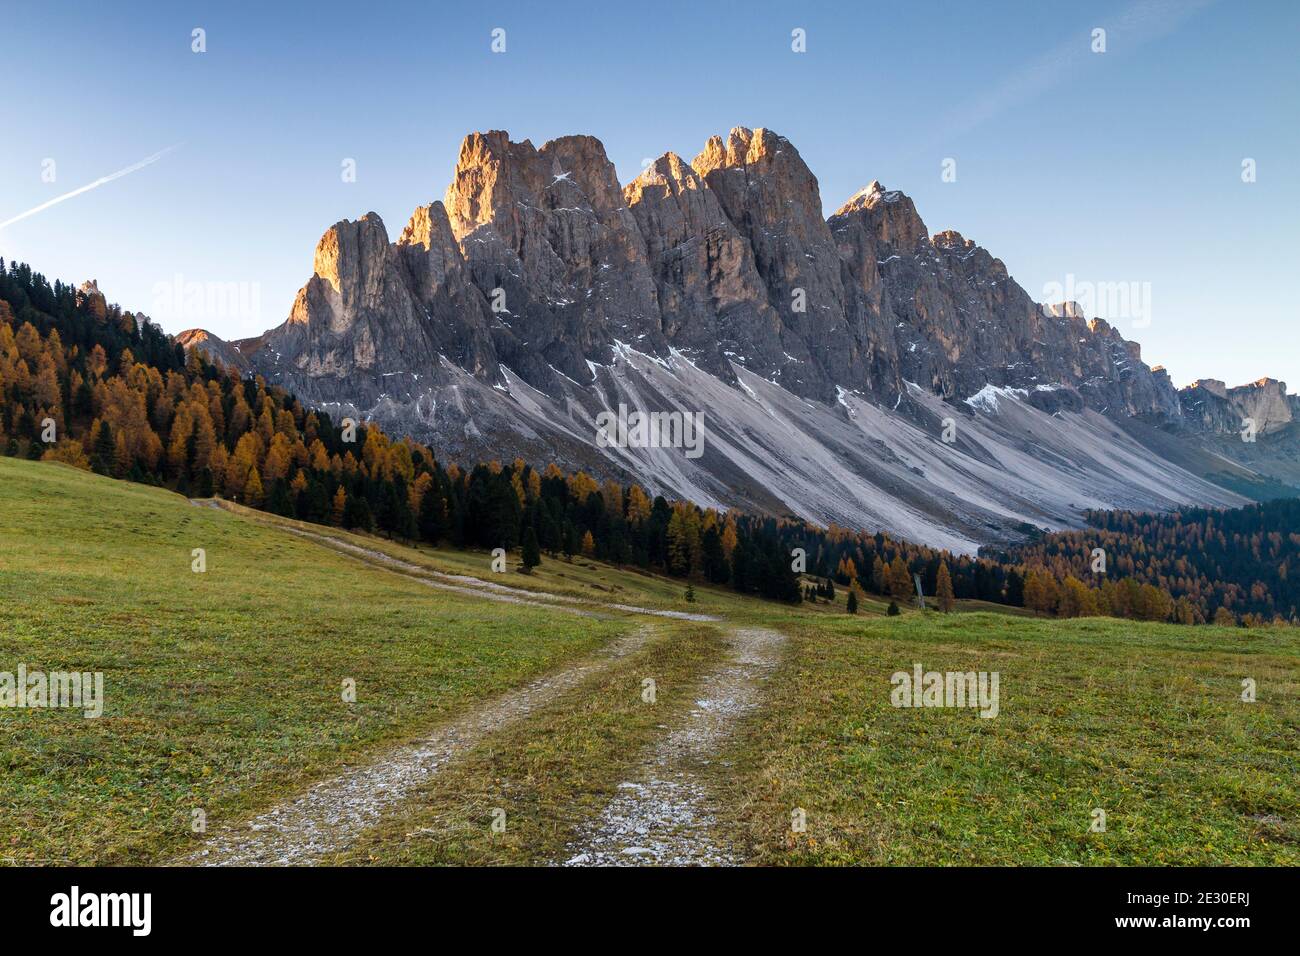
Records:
x=855, y=369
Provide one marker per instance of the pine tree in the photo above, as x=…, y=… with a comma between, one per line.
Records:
x=357, y=514
x=532, y=555
x=852, y=604
x=280, y=503
x=432, y=514
x=715, y=558
x=101, y=459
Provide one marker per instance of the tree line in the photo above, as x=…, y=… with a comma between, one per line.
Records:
x=89, y=384
x=1192, y=565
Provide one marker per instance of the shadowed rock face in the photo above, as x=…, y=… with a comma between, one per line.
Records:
x=960, y=321
x=358, y=312
x=498, y=322
x=772, y=197
x=713, y=302
x=1217, y=408
x=442, y=285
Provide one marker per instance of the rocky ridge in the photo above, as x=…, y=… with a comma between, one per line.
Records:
x=505, y=317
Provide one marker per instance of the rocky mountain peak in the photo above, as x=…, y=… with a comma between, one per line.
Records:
x=540, y=291
x=1217, y=408
x=742, y=147
x=865, y=198
x=219, y=350
x=672, y=204
x=952, y=241
x=767, y=164
x=581, y=162
x=429, y=247
x=888, y=215
x=350, y=258
x=88, y=293
x=1216, y=387
x=490, y=172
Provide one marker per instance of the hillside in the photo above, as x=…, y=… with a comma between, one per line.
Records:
x=73, y=390
x=1239, y=562
x=222, y=689
x=223, y=693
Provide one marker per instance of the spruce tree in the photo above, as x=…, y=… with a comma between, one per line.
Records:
x=105, y=449
x=280, y=503
x=431, y=514
x=532, y=555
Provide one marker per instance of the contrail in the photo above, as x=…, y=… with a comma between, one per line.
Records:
x=147, y=161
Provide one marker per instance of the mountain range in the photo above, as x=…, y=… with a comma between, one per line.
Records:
x=853, y=370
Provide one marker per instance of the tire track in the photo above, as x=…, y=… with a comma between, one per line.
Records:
x=665, y=816
x=330, y=815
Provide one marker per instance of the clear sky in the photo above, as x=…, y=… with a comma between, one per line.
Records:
x=1122, y=167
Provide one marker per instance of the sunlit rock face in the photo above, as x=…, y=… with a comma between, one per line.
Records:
x=540, y=292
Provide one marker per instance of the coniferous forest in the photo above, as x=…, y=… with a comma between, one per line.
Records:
x=96, y=387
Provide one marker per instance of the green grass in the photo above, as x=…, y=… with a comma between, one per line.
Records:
x=583, y=578
x=1144, y=721
x=223, y=693
x=223, y=689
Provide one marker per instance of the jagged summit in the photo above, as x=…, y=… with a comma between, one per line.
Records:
x=868, y=196
x=540, y=290
x=727, y=259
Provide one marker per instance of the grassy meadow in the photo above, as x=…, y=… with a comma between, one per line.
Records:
x=1142, y=721
x=223, y=692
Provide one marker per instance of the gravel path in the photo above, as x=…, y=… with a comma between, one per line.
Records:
x=467, y=584
x=330, y=815
x=665, y=815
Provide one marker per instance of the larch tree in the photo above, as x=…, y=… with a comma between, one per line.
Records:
x=943, y=588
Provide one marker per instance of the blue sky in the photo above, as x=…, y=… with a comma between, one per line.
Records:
x=1116, y=167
